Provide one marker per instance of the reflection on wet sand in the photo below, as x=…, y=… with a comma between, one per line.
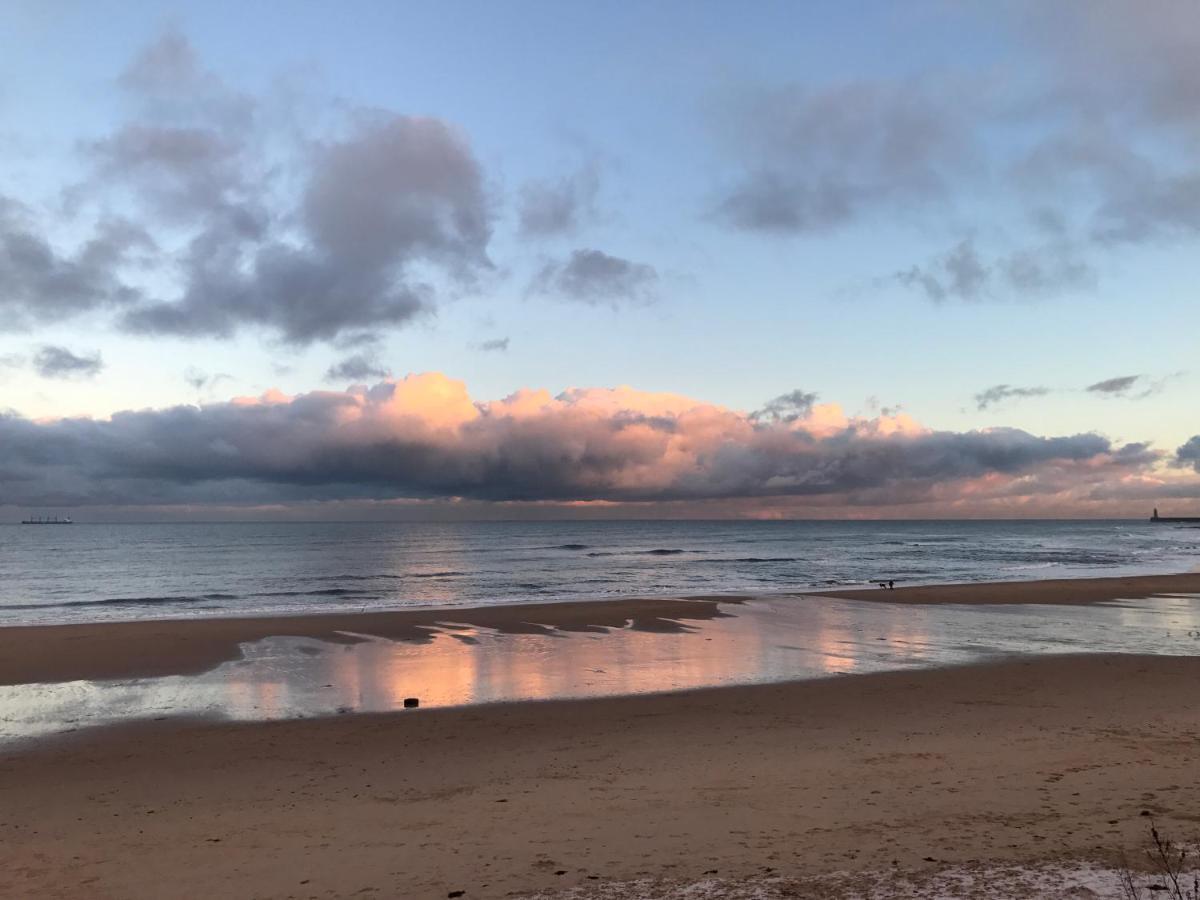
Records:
x=764, y=640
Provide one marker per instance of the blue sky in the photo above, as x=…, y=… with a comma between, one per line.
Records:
x=892, y=206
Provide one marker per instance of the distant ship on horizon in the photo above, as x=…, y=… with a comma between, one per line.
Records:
x=47, y=520
x=1157, y=518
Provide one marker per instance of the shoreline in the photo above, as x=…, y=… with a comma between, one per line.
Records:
x=1021, y=761
x=150, y=648
x=1057, y=591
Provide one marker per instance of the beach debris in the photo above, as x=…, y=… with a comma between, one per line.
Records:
x=411, y=702
x=456, y=893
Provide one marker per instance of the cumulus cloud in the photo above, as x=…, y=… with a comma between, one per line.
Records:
x=58, y=362
x=550, y=208
x=424, y=437
x=356, y=367
x=1001, y=392
x=306, y=237
x=592, y=276
x=398, y=192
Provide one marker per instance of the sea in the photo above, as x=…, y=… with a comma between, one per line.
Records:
x=100, y=572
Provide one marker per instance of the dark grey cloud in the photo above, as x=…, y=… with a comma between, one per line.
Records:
x=397, y=193
x=52, y=361
x=1189, y=453
x=306, y=238
x=38, y=284
x=357, y=367
x=1120, y=385
x=550, y=208
x=592, y=276
x=787, y=407
x=1001, y=392
x=423, y=437
x=498, y=345
x=962, y=273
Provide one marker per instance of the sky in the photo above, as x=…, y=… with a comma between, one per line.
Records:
x=534, y=259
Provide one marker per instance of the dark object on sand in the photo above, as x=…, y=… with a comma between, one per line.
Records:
x=411, y=702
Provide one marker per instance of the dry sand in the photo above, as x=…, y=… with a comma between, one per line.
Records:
x=1022, y=761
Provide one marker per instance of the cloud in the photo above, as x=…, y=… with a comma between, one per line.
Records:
x=1114, y=386
x=499, y=345
x=305, y=237
x=423, y=436
x=787, y=407
x=38, y=284
x=1189, y=454
x=817, y=159
x=1099, y=138
x=356, y=367
x=963, y=274
x=591, y=276
x=59, y=362
x=1001, y=392
x=397, y=193
x=199, y=379
x=553, y=208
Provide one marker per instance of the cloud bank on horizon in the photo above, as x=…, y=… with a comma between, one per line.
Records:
x=423, y=437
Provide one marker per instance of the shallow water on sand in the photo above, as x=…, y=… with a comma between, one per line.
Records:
x=758, y=641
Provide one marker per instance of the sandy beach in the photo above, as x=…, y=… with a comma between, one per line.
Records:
x=1071, y=591
x=157, y=647
x=1023, y=761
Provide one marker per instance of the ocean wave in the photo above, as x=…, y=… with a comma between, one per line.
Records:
x=111, y=601
x=319, y=592
x=760, y=559
x=657, y=551
x=379, y=577
x=568, y=547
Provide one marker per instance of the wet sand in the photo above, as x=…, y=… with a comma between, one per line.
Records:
x=159, y=647
x=1070, y=591
x=1019, y=761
